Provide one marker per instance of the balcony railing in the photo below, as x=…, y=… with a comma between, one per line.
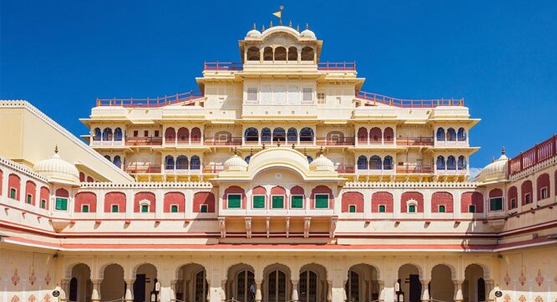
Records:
x=414, y=168
x=415, y=141
x=179, y=142
x=336, y=65
x=341, y=141
x=229, y=141
x=107, y=143
x=234, y=66
x=374, y=98
x=345, y=169
x=535, y=155
x=187, y=97
x=213, y=168
x=140, y=168
x=144, y=141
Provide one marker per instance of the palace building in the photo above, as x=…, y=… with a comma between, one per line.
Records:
x=280, y=180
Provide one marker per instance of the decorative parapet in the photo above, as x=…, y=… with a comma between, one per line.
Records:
x=147, y=185
x=531, y=170
x=411, y=185
x=20, y=168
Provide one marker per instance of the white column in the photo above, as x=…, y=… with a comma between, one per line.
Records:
x=173, y=290
x=258, y=296
x=381, y=291
x=128, y=297
x=425, y=290
x=458, y=297
x=294, y=291
x=96, y=293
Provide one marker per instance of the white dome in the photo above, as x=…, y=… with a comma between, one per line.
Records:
x=308, y=34
x=254, y=33
x=495, y=171
x=235, y=163
x=322, y=164
x=57, y=170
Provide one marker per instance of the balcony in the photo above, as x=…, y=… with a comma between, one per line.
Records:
x=336, y=66
x=188, y=98
x=237, y=66
x=338, y=141
x=213, y=168
x=111, y=143
x=143, y=168
x=227, y=141
x=411, y=168
x=225, y=66
x=172, y=142
x=455, y=143
x=533, y=156
x=415, y=141
x=372, y=99
x=144, y=141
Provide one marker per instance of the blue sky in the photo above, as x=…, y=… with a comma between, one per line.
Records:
x=501, y=56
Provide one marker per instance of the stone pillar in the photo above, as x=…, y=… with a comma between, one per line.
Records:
x=173, y=290
x=329, y=290
x=425, y=290
x=128, y=296
x=96, y=293
x=294, y=291
x=223, y=290
x=458, y=297
x=381, y=291
x=258, y=296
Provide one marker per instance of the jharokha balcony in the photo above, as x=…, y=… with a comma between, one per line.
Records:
x=533, y=156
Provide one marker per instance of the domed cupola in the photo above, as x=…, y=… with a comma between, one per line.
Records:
x=307, y=34
x=57, y=170
x=321, y=163
x=253, y=34
x=495, y=171
x=235, y=163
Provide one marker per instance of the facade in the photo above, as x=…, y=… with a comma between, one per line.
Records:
x=280, y=181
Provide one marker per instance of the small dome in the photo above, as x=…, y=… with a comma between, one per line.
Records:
x=254, y=33
x=57, y=170
x=235, y=163
x=322, y=164
x=495, y=171
x=308, y=34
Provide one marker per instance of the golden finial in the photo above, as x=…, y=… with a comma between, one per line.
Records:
x=263, y=146
x=270, y=24
x=251, y=151
x=298, y=28
x=278, y=143
x=235, y=151
x=262, y=28
x=320, y=151
x=56, y=149
x=305, y=151
x=503, y=150
x=254, y=26
x=492, y=159
x=307, y=25
x=293, y=146
x=290, y=23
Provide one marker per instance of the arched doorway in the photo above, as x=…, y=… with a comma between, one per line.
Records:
x=442, y=285
x=362, y=284
x=241, y=283
x=192, y=283
x=409, y=286
x=81, y=286
x=145, y=286
x=473, y=288
x=312, y=283
x=276, y=285
x=113, y=285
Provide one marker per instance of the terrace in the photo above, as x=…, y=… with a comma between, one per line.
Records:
x=533, y=156
x=372, y=99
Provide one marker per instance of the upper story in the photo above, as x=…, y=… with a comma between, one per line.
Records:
x=282, y=94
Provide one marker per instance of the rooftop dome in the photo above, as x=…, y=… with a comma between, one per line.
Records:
x=235, y=163
x=495, y=171
x=322, y=163
x=57, y=170
x=308, y=34
x=254, y=33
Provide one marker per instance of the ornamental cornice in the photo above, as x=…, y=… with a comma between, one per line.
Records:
x=147, y=185
x=411, y=185
x=18, y=167
x=533, y=169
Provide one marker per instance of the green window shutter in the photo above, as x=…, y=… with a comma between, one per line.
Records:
x=278, y=202
x=352, y=209
x=61, y=204
x=43, y=203
x=29, y=197
x=496, y=204
x=297, y=202
x=234, y=201
x=203, y=208
x=259, y=202
x=12, y=193
x=115, y=209
x=321, y=201
x=382, y=209
x=85, y=209
x=441, y=209
x=471, y=209
x=144, y=208
x=412, y=209
x=174, y=209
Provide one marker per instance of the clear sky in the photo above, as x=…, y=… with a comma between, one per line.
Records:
x=500, y=56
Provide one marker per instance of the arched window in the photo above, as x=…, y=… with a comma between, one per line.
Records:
x=201, y=287
x=388, y=163
x=292, y=54
x=362, y=162
x=481, y=289
x=97, y=134
x=451, y=163
x=117, y=161
x=280, y=54
x=170, y=134
x=268, y=54
x=352, y=287
x=195, y=134
x=107, y=134
x=375, y=135
x=306, y=135
x=169, y=162
x=309, y=286
x=244, y=283
x=310, y=159
x=440, y=134
x=195, y=163
x=276, y=286
x=108, y=157
x=462, y=162
x=440, y=163
x=182, y=162
x=362, y=135
x=375, y=163
x=183, y=135
x=279, y=135
x=253, y=54
x=118, y=134
x=451, y=135
x=265, y=135
x=461, y=134
x=389, y=134
x=307, y=54
x=251, y=135
x=292, y=135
